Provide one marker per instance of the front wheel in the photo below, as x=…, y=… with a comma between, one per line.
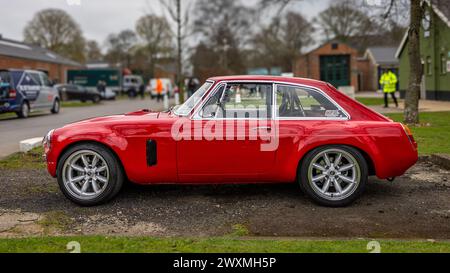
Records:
x=96, y=99
x=56, y=107
x=24, y=110
x=89, y=174
x=333, y=176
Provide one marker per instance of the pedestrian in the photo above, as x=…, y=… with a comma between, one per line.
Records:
x=142, y=90
x=104, y=85
x=192, y=86
x=159, y=90
x=101, y=87
x=389, y=81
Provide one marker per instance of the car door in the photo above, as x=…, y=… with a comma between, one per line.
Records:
x=29, y=84
x=82, y=93
x=230, y=135
x=298, y=110
x=48, y=93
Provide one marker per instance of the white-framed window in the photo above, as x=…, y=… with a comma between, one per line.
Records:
x=443, y=64
x=307, y=103
x=239, y=101
x=429, y=66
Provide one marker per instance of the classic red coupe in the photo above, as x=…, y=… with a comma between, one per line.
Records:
x=237, y=129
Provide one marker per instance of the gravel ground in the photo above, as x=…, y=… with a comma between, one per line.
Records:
x=416, y=205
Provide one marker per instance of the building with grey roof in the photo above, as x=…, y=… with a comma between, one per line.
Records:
x=19, y=55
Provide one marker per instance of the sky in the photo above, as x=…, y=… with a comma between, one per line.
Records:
x=98, y=18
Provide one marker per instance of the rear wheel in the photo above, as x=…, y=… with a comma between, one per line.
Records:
x=333, y=176
x=89, y=174
x=56, y=107
x=24, y=110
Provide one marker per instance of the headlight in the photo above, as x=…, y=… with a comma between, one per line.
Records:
x=47, y=141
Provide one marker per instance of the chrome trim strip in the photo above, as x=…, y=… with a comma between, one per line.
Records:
x=317, y=90
x=274, y=116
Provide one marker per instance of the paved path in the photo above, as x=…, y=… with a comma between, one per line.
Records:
x=14, y=130
x=424, y=106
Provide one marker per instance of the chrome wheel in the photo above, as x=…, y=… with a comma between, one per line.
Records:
x=25, y=110
x=85, y=175
x=334, y=174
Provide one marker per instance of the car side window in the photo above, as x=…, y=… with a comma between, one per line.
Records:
x=303, y=102
x=36, y=80
x=245, y=100
x=44, y=79
x=211, y=107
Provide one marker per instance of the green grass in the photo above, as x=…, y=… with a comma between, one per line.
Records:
x=70, y=104
x=8, y=116
x=371, y=101
x=58, y=220
x=433, y=134
x=31, y=160
x=100, y=244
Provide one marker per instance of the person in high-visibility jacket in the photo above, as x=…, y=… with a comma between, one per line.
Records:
x=389, y=81
x=159, y=89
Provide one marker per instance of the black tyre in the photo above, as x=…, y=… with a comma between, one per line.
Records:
x=89, y=174
x=333, y=176
x=56, y=107
x=24, y=110
x=96, y=99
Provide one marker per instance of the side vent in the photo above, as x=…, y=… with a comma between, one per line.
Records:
x=151, y=153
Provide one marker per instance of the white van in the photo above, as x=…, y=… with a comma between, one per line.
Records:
x=131, y=83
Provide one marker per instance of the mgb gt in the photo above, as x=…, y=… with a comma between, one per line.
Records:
x=236, y=129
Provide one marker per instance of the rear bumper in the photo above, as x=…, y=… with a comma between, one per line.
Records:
x=7, y=109
x=397, y=163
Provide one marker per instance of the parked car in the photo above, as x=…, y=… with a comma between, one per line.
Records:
x=131, y=84
x=168, y=88
x=25, y=91
x=238, y=129
x=69, y=92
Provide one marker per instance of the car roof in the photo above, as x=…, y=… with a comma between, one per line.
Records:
x=22, y=70
x=269, y=78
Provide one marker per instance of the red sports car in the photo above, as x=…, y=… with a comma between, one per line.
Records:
x=237, y=129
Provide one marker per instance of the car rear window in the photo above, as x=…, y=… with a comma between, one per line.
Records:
x=5, y=84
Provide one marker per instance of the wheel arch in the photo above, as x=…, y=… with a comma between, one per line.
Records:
x=369, y=161
x=109, y=148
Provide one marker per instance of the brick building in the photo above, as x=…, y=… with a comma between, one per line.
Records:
x=337, y=63
x=18, y=55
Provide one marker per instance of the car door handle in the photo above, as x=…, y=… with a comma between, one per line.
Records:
x=267, y=128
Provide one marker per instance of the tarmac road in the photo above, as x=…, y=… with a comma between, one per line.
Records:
x=13, y=130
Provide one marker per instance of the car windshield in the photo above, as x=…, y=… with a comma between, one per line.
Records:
x=186, y=108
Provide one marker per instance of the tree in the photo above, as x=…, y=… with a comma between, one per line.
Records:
x=174, y=8
x=225, y=28
x=397, y=8
x=120, y=47
x=93, y=51
x=55, y=30
x=282, y=41
x=389, y=15
x=342, y=21
x=415, y=77
x=156, y=34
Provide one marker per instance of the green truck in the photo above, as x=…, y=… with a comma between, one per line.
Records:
x=90, y=77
